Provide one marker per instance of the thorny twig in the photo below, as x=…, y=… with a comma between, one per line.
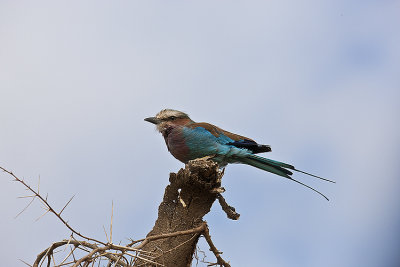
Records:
x=49, y=207
x=106, y=251
x=94, y=251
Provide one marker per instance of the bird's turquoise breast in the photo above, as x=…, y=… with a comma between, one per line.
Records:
x=187, y=144
x=201, y=143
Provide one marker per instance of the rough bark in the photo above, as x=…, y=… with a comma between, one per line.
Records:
x=187, y=198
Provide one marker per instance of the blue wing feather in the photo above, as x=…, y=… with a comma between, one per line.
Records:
x=202, y=142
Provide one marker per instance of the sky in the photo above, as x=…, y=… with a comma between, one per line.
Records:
x=319, y=81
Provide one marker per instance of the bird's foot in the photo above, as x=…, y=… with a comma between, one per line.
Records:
x=207, y=157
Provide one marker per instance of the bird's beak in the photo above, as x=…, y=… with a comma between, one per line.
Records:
x=153, y=120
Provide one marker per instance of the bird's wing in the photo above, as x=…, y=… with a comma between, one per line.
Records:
x=238, y=140
x=251, y=145
x=216, y=131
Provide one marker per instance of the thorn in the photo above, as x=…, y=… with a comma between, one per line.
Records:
x=25, y=263
x=108, y=240
x=38, y=187
x=42, y=215
x=66, y=205
x=111, y=224
x=25, y=207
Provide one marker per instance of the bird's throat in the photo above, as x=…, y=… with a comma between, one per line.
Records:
x=166, y=131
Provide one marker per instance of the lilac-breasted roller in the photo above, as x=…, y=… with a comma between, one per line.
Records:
x=188, y=140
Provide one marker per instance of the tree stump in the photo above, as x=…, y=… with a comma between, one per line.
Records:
x=187, y=198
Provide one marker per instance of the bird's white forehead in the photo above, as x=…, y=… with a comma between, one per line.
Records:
x=165, y=113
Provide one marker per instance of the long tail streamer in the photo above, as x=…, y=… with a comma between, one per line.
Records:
x=280, y=169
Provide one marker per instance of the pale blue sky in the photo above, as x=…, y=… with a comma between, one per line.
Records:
x=317, y=80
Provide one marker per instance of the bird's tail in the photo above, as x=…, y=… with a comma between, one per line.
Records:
x=278, y=168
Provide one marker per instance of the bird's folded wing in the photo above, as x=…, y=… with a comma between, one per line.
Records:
x=239, y=141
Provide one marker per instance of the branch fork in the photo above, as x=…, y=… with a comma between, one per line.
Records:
x=173, y=239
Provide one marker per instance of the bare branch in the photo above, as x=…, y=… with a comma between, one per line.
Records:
x=216, y=252
x=229, y=210
x=50, y=208
x=199, y=229
x=197, y=186
x=94, y=251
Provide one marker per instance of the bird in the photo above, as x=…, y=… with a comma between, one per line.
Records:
x=188, y=140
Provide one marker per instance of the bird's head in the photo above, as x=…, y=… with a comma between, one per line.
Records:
x=167, y=118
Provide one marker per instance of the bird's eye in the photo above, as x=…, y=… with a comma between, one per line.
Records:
x=172, y=118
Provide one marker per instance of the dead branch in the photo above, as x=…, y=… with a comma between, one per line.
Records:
x=216, y=252
x=174, y=237
x=49, y=207
x=229, y=210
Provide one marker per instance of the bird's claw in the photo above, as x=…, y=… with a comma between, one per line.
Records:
x=207, y=157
